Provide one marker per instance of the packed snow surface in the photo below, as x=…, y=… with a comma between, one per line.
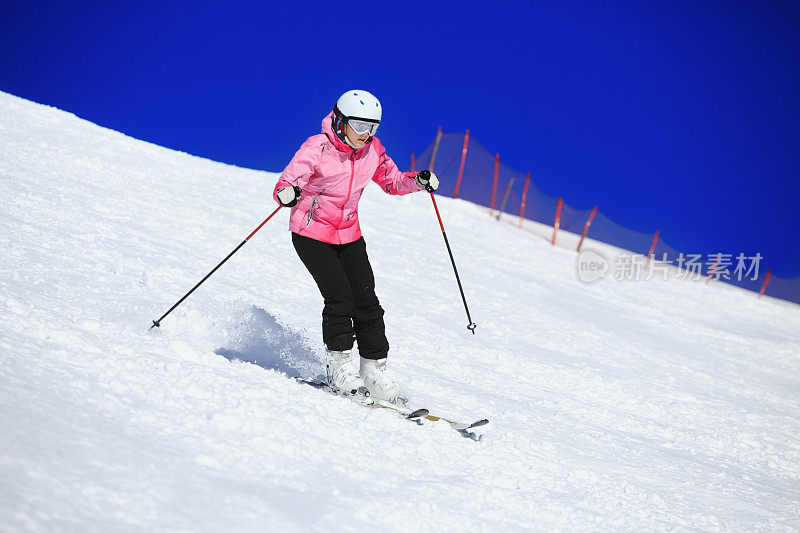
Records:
x=613, y=405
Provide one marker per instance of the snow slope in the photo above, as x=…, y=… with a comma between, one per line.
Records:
x=614, y=405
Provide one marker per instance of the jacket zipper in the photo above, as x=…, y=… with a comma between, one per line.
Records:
x=349, y=189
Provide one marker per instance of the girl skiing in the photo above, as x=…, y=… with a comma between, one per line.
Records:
x=322, y=184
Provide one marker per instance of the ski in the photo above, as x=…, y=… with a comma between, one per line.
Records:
x=466, y=429
x=462, y=427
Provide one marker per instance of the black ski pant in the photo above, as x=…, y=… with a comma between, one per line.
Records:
x=352, y=311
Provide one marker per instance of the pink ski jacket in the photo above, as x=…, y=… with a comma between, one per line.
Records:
x=332, y=176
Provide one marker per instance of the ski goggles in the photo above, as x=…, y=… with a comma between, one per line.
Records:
x=362, y=126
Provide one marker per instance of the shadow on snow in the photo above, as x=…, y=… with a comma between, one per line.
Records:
x=259, y=339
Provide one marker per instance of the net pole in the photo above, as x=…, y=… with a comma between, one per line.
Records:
x=505, y=198
x=586, y=227
x=461, y=166
x=557, y=221
x=652, y=250
x=764, y=285
x=494, y=182
x=524, y=197
x=712, y=269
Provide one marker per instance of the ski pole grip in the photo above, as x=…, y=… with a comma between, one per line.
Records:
x=426, y=176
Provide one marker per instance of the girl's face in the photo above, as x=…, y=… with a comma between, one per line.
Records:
x=354, y=138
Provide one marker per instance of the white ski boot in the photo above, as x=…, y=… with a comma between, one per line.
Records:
x=380, y=384
x=342, y=374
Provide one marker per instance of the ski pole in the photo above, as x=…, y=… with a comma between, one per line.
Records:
x=471, y=326
x=157, y=323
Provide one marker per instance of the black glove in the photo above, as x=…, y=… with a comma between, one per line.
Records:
x=428, y=180
x=288, y=196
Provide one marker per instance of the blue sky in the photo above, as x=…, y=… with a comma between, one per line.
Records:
x=679, y=116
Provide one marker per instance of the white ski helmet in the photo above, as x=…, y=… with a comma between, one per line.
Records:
x=359, y=106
